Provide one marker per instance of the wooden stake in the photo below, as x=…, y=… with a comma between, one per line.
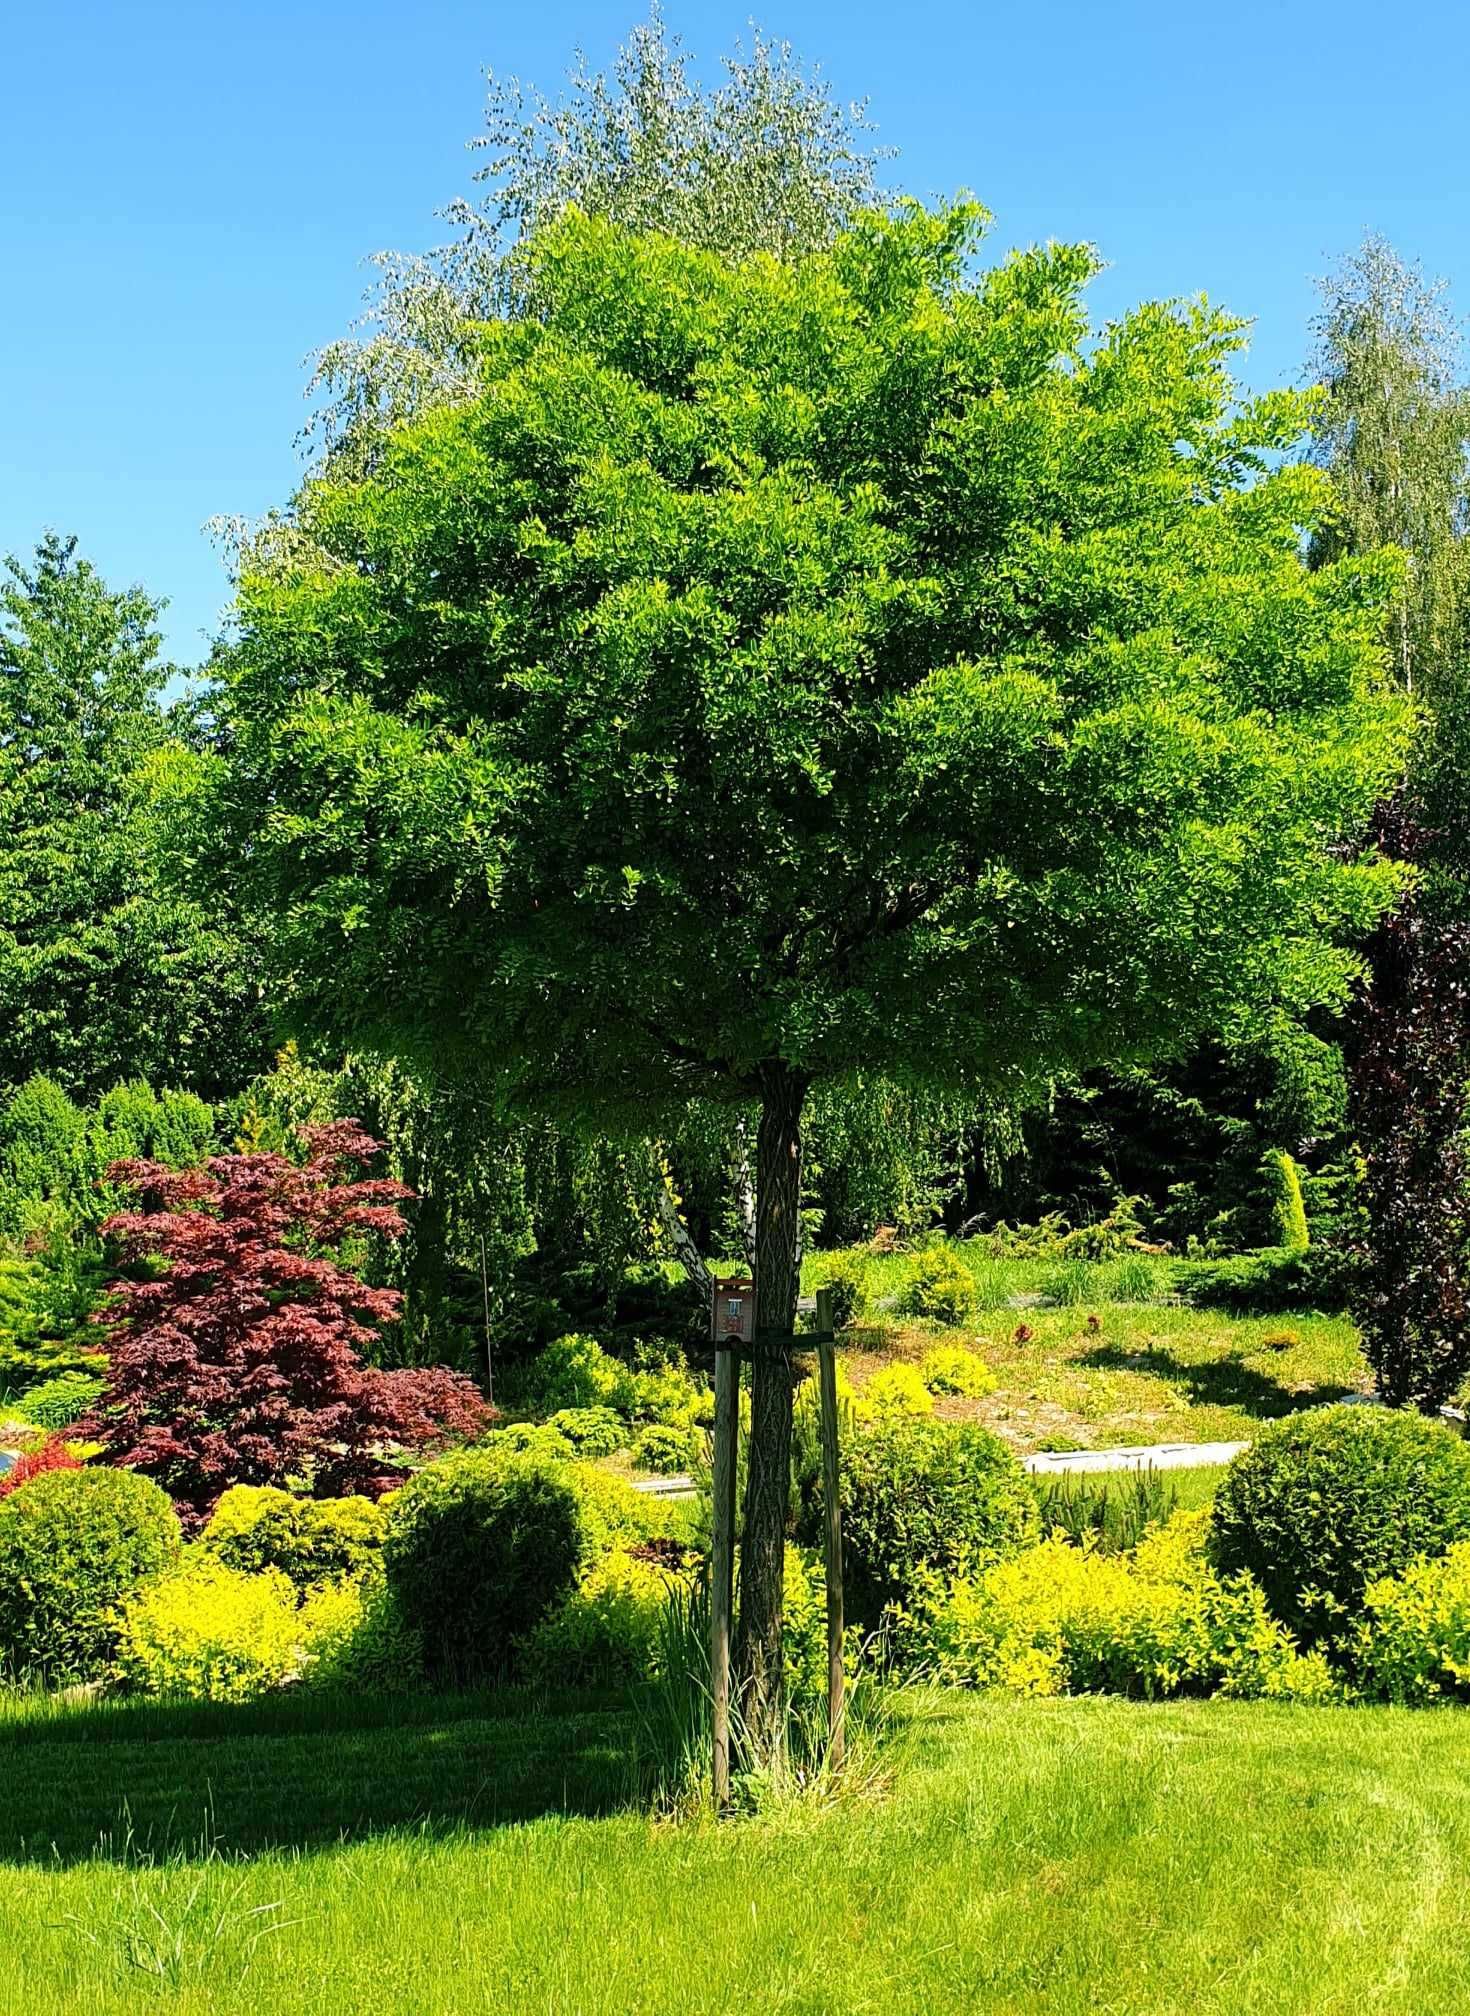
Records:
x=831, y=1530
x=722, y=1564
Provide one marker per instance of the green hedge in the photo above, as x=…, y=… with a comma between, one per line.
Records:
x=479, y=1548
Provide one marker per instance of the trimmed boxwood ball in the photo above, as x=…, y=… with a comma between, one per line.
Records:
x=922, y=1495
x=478, y=1548
x=73, y=1544
x=1326, y=1502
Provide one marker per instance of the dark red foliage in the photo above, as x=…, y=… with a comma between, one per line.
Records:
x=240, y=1363
x=1409, y=1114
x=52, y=1454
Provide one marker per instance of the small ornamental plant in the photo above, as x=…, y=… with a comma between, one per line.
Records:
x=53, y=1454
x=239, y=1362
x=73, y=1546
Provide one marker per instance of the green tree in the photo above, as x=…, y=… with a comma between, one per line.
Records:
x=106, y=973
x=764, y=160
x=1393, y=436
x=1392, y=432
x=779, y=671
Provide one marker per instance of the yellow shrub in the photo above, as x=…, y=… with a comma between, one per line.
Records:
x=608, y=1630
x=1060, y=1618
x=1413, y=1640
x=211, y=1633
x=358, y=1641
x=895, y=1390
x=214, y=1633
x=950, y=1368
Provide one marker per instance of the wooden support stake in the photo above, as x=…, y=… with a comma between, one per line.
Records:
x=722, y=1564
x=831, y=1529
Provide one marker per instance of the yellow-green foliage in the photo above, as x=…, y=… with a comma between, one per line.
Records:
x=804, y=1627
x=359, y=1640
x=590, y=1431
x=609, y=1630
x=940, y=1288
x=665, y=1450
x=212, y=1633
x=209, y=1632
x=895, y=1391
x=1412, y=1642
x=1288, y=1208
x=309, y=1539
x=73, y=1545
x=529, y=1438
x=1062, y=1619
x=950, y=1368
x=613, y=1512
x=574, y=1371
x=575, y=1374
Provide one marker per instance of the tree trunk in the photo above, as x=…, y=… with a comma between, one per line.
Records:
x=744, y=1194
x=679, y=1235
x=762, y=1555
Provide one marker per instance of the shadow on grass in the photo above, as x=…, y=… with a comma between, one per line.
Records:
x=140, y=1782
x=1216, y=1382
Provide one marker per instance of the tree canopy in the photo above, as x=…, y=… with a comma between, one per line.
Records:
x=106, y=971
x=778, y=670
x=818, y=663
x=763, y=159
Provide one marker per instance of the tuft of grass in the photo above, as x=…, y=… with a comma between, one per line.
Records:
x=1116, y=1508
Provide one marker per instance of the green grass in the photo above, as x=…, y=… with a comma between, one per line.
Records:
x=1100, y=1373
x=1048, y=1857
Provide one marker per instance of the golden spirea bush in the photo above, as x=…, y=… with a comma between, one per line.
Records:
x=1063, y=1619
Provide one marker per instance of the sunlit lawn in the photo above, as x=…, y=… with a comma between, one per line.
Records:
x=1105, y=1374
x=1047, y=1857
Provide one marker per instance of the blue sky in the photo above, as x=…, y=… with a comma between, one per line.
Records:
x=187, y=193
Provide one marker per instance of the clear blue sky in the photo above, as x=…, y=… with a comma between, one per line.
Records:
x=187, y=192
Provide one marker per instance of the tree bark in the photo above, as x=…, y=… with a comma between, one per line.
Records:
x=679, y=1235
x=744, y=1194
x=762, y=1554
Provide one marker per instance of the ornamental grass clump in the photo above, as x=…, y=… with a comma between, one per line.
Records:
x=1324, y=1503
x=58, y=1402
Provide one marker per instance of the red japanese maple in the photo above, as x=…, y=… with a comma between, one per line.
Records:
x=240, y=1363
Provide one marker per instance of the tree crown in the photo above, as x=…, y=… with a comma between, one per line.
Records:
x=858, y=660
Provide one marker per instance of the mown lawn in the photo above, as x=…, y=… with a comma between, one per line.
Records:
x=1047, y=1857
